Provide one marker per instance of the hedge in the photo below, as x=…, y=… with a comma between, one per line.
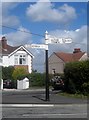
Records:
x=36, y=79
x=76, y=76
x=7, y=72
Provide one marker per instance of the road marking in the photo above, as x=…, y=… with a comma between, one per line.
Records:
x=57, y=114
x=27, y=105
x=43, y=105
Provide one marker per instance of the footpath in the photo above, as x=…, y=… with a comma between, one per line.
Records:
x=37, y=96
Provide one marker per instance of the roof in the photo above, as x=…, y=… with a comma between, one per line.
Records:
x=69, y=57
x=6, y=49
x=9, y=50
x=21, y=47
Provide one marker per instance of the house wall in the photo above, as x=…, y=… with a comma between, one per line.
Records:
x=9, y=61
x=29, y=63
x=5, y=61
x=84, y=57
x=55, y=63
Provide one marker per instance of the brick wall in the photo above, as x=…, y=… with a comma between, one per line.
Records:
x=22, y=66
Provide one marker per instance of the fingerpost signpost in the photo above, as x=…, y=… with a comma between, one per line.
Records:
x=48, y=40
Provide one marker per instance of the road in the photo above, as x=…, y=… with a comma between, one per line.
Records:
x=32, y=104
x=36, y=96
x=44, y=111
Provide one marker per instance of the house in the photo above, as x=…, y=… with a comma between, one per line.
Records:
x=58, y=59
x=17, y=56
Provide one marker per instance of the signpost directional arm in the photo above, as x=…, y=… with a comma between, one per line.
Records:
x=37, y=46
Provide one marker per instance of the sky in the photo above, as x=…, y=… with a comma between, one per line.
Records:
x=60, y=19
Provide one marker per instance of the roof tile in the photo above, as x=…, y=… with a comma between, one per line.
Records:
x=69, y=57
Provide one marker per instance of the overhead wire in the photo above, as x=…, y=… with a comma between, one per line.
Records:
x=22, y=31
x=35, y=33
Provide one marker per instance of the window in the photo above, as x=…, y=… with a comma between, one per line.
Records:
x=16, y=59
x=53, y=71
x=20, y=59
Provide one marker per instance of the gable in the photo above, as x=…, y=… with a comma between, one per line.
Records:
x=54, y=59
x=84, y=57
x=21, y=48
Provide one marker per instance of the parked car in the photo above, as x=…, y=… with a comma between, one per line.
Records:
x=8, y=84
x=57, y=83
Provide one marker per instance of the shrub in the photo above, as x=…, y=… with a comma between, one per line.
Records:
x=85, y=88
x=76, y=74
x=36, y=79
x=19, y=73
x=7, y=72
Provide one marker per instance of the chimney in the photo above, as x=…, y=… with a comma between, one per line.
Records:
x=76, y=50
x=4, y=43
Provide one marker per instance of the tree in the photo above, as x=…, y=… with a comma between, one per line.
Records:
x=7, y=72
x=19, y=73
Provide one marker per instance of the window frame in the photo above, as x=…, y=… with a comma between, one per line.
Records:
x=20, y=59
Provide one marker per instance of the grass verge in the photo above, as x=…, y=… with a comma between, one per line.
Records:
x=74, y=95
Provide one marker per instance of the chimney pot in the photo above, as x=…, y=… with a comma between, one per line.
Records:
x=76, y=50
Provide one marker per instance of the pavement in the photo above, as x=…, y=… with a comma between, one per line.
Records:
x=37, y=96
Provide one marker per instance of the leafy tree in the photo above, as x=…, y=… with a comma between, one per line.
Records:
x=7, y=72
x=19, y=73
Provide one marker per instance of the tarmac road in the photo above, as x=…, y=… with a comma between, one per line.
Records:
x=36, y=96
x=31, y=104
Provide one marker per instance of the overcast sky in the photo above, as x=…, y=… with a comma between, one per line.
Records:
x=60, y=19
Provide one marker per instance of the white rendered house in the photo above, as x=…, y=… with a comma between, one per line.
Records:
x=17, y=56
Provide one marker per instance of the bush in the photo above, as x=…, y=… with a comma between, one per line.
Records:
x=76, y=74
x=85, y=88
x=37, y=79
x=7, y=72
x=19, y=73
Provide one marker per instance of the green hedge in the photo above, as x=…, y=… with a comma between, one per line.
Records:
x=7, y=72
x=36, y=79
x=76, y=76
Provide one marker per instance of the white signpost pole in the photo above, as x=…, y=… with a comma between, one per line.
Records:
x=48, y=40
x=52, y=40
x=46, y=69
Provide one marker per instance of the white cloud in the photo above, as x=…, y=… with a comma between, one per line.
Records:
x=79, y=38
x=7, y=18
x=10, y=20
x=18, y=37
x=41, y=11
